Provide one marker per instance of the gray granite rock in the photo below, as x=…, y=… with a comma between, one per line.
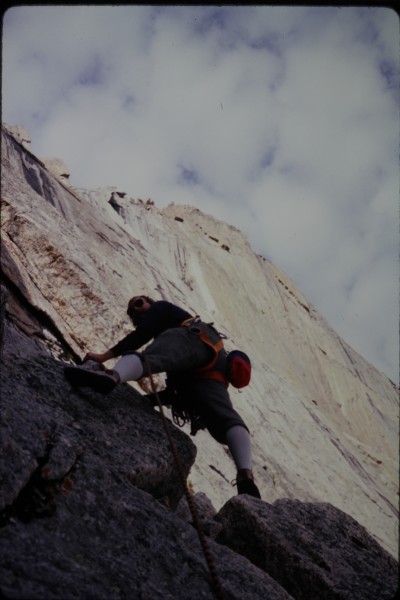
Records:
x=314, y=550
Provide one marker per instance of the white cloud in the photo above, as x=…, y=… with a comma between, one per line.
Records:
x=284, y=120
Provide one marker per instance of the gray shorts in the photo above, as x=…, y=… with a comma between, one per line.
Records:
x=176, y=349
x=211, y=400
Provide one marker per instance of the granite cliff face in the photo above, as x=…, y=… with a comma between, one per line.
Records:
x=323, y=420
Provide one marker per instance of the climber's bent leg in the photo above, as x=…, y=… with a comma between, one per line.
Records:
x=129, y=368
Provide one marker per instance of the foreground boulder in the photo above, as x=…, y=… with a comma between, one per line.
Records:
x=314, y=550
x=51, y=432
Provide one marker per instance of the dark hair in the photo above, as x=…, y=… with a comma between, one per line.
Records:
x=131, y=313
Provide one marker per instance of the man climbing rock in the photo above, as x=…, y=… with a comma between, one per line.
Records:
x=192, y=354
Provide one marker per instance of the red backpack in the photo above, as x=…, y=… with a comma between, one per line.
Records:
x=239, y=369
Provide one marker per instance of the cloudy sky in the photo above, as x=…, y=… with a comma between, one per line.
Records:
x=282, y=121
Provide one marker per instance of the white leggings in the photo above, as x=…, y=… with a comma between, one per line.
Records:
x=239, y=443
x=129, y=368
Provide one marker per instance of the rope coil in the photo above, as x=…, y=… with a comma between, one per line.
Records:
x=196, y=521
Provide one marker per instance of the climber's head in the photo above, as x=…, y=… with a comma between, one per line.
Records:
x=137, y=306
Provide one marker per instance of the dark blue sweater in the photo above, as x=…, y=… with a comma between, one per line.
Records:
x=162, y=315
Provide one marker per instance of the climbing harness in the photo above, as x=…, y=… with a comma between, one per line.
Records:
x=219, y=593
x=238, y=369
x=197, y=327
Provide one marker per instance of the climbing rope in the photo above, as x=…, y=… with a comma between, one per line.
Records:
x=196, y=521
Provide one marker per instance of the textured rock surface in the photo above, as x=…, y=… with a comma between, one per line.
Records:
x=49, y=428
x=315, y=551
x=57, y=167
x=324, y=421
x=21, y=134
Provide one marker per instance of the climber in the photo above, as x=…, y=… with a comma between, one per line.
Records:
x=177, y=350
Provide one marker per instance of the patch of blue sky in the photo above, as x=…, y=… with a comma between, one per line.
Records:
x=129, y=102
x=189, y=176
x=268, y=157
x=93, y=73
x=213, y=25
x=389, y=73
x=39, y=118
x=368, y=26
x=272, y=42
x=295, y=173
x=210, y=18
